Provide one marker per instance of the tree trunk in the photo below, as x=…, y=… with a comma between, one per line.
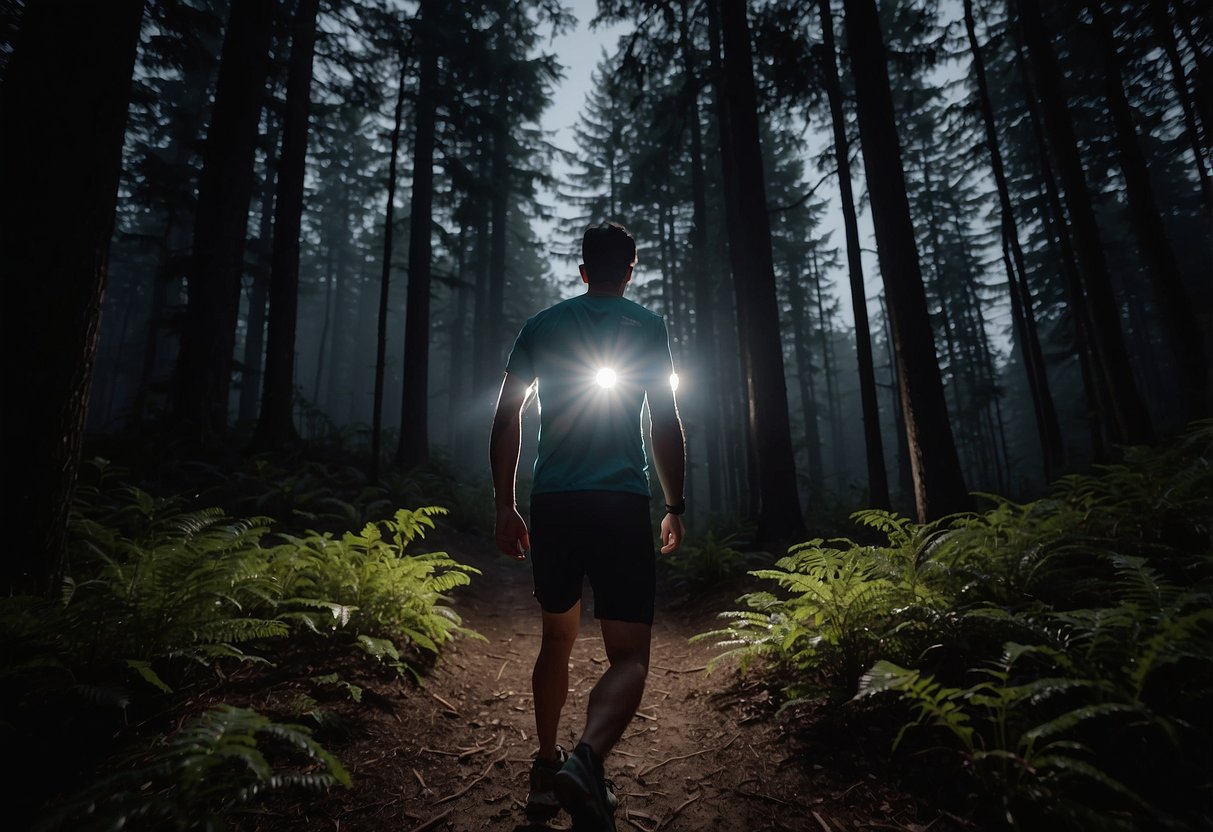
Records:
x=178, y=222
x=482, y=373
x=414, y=447
x=1161, y=19
x=500, y=201
x=208, y=337
x=804, y=376
x=254, y=336
x=939, y=487
x=1130, y=419
x=456, y=401
x=338, y=385
x=276, y=425
x=1047, y=428
x=779, y=517
x=1094, y=385
x=62, y=118
x=878, y=478
x=748, y=490
x=385, y=277
x=1179, y=325
x=705, y=350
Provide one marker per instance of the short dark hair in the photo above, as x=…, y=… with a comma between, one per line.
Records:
x=608, y=251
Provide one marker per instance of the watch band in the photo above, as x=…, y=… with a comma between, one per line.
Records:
x=677, y=509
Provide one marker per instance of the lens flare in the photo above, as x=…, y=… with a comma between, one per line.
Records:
x=605, y=377
x=673, y=382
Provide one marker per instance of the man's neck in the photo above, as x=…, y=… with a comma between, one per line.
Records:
x=607, y=292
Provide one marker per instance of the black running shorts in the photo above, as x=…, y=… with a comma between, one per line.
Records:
x=605, y=535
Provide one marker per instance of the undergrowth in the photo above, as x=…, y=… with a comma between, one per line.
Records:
x=1060, y=650
x=162, y=596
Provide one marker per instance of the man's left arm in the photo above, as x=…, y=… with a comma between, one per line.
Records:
x=505, y=445
x=669, y=457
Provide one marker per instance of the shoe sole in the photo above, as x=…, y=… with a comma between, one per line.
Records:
x=579, y=803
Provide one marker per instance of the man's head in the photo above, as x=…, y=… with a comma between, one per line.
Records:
x=608, y=253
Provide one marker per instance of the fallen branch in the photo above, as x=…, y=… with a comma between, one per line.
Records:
x=469, y=786
x=469, y=752
x=824, y=826
x=665, y=821
x=656, y=766
x=680, y=669
x=432, y=822
x=444, y=702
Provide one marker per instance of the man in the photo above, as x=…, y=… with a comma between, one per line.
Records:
x=593, y=359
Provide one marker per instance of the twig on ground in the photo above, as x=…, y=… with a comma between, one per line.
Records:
x=444, y=702
x=666, y=820
x=432, y=822
x=649, y=717
x=469, y=786
x=421, y=780
x=680, y=669
x=502, y=670
x=762, y=796
x=632, y=820
x=655, y=766
x=440, y=751
x=469, y=752
x=824, y=826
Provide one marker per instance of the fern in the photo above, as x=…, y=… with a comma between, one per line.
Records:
x=191, y=780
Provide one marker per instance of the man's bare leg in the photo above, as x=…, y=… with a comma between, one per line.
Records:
x=550, y=679
x=615, y=698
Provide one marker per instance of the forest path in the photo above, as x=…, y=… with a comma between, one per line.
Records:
x=704, y=752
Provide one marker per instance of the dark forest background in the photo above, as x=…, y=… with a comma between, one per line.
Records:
x=331, y=218
x=939, y=266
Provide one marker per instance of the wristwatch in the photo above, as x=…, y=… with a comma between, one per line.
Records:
x=677, y=509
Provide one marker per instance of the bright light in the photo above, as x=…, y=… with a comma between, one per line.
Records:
x=605, y=377
x=673, y=382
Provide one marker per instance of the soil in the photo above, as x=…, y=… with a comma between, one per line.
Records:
x=705, y=752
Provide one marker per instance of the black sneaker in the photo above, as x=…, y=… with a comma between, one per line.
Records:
x=541, y=802
x=582, y=792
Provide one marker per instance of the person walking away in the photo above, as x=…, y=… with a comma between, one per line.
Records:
x=592, y=361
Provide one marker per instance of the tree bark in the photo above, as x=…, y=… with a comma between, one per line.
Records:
x=1130, y=419
x=1179, y=325
x=878, y=478
x=414, y=447
x=707, y=357
x=208, y=337
x=1161, y=18
x=385, y=277
x=779, y=516
x=254, y=336
x=1047, y=428
x=744, y=451
x=63, y=112
x=939, y=487
x=498, y=204
x=276, y=425
x=1094, y=384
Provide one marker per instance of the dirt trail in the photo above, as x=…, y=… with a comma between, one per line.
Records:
x=704, y=753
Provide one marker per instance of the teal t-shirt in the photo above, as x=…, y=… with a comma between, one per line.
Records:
x=590, y=436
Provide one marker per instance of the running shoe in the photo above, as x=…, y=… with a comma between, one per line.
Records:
x=541, y=802
x=583, y=793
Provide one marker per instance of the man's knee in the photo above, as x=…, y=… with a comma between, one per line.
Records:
x=627, y=643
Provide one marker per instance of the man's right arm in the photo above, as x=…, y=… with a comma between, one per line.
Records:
x=669, y=456
x=504, y=446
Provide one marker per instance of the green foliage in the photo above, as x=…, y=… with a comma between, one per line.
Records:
x=709, y=559
x=364, y=583
x=1063, y=649
x=190, y=780
x=156, y=583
